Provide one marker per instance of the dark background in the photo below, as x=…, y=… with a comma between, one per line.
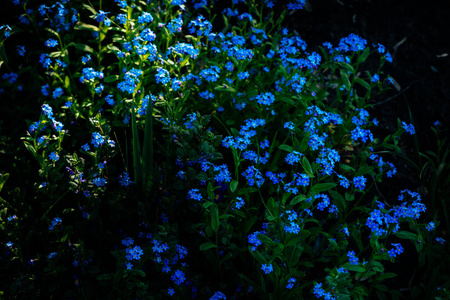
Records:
x=416, y=33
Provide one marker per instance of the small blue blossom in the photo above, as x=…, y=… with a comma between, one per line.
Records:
x=395, y=251
x=375, y=78
x=293, y=158
x=360, y=182
x=218, y=296
x=409, y=128
x=50, y=43
x=239, y=203
x=55, y=222
x=440, y=240
x=430, y=226
x=57, y=92
x=267, y=268
x=99, y=181
x=178, y=277
x=352, y=258
x=291, y=282
x=194, y=194
x=54, y=156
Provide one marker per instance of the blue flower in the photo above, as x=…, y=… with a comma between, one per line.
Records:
x=97, y=140
x=127, y=241
x=56, y=221
x=291, y=282
x=124, y=179
x=352, y=258
x=395, y=251
x=239, y=203
x=243, y=75
x=352, y=43
x=430, y=226
x=194, y=194
x=99, y=181
x=145, y=18
x=211, y=74
x=176, y=24
x=409, y=128
x=54, y=156
x=178, y=277
x=267, y=268
x=134, y=253
x=265, y=99
x=218, y=296
x=440, y=240
x=345, y=230
x=360, y=182
x=289, y=125
x=375, y=78
x=51, y=43
x=293, y=158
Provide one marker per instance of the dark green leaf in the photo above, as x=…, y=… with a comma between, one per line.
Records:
x=286, y=148
x=323, y=187
x=207, y=245
x=298, y=199
x=233, y=185
x=214, y=217
x=406, y=235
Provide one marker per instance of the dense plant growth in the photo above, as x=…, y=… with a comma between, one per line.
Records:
x=174, y=157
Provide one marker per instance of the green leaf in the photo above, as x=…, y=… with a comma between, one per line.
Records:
x=67, y=82
x=355, y=268
x=364, y=55
x=346, y=66
x=365, y=170
x=286, y=148
x=207, y=245
x=52, y=32
x=298, y=199
x=406, y=235
x=287, y=100
x=248, y=190
x=307, y=166
x=225, y=88
x=345, y=80
x=323, y=187
x=233, y=185
x=346, y=168
x=91, y=9
x=210, y=191
x=249, y=224
x=349, y=197
x=214, y=217
x=271, y=206
x=137, y=161
x=363, y=83
x=266, y=240
x=33, y=152
x=338, y=199
x=384, y=276
x=84, y=48
x=3, y=179
x=84, y=26
x=111, y=78
x=105, y=277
